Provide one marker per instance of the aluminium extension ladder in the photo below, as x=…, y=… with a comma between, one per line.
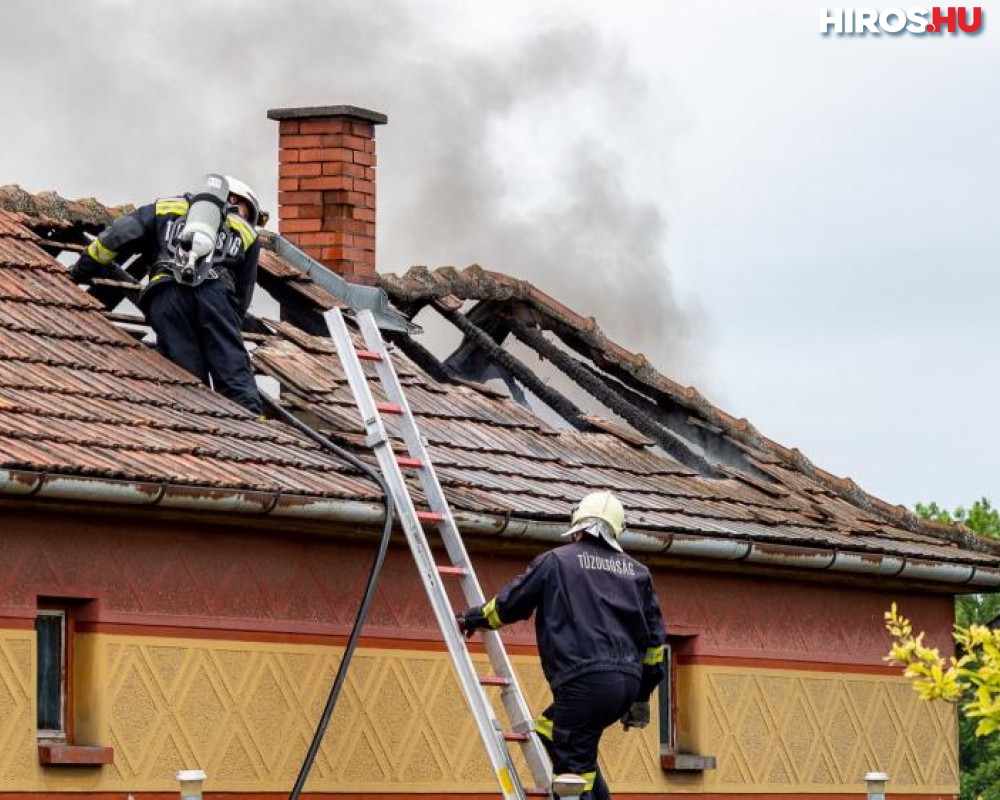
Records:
x=432, y=573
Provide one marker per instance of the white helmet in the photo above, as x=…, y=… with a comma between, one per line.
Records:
x=258, y=217
x=602, y=515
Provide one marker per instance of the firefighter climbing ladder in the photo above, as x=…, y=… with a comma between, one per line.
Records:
x=432, y=573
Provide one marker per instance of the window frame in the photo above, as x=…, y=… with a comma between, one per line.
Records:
x=58, y=748
x=64, y=733
x=673, y=758
x=667, y=700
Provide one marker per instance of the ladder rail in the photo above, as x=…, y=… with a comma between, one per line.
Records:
x=511, y=695
x=377, y=438
x=428, y=479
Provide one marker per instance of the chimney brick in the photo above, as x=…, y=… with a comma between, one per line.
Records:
x=326, y=185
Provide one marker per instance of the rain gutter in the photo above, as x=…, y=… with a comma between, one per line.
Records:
x=53, y=486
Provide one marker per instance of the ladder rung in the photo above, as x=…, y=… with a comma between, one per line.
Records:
x=397, y=462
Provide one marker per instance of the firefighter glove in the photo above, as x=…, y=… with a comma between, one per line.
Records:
x=84, y=270
x=471, y=620
x=637, y=716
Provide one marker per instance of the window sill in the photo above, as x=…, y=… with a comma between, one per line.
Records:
x=685, y=762
x=52, y=754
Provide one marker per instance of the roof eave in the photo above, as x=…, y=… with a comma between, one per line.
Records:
x=166, y=495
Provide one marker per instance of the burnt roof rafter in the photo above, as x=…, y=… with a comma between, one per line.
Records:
x=422, y=357
x=479, y=339
x=678, y=423
x=625, y=407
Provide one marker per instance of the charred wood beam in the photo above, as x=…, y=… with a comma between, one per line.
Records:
x=676, y=420
x=125, y=283
x=558, y=402
x=673, y=415
x=638, y=418
x=434, y=367
x=420, y=356
x=292, y=306
x=572, y=340
x=114, y=285
x=54, y=248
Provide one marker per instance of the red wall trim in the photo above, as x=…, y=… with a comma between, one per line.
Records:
x=18, y=623
x=223, y=634
x=777, y=663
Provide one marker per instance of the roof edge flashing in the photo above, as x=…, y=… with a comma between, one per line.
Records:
x=23, y=483
x=82, y=488
x=355, y=295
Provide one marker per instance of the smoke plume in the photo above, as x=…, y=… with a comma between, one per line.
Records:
x=514, y=155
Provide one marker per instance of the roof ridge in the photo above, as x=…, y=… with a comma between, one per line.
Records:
x=52, y=207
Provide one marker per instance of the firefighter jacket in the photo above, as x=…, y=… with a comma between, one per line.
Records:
x=153, y=231
x=595, y=610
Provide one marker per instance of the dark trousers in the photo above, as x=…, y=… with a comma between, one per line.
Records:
x=571, y=727
x=198, y=328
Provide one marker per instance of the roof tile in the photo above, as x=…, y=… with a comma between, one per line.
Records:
x=79, y=396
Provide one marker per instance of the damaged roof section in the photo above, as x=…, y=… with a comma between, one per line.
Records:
x=81, y=395
x=494, y=457
x=678, y=418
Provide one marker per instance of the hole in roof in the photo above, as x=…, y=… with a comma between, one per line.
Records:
x=439, y=335
x=264, y=305
x=268, y=385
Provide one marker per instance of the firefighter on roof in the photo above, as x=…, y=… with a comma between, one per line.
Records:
x=600, y=637
x=201, y=252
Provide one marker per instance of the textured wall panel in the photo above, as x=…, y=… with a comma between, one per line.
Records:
x=244, y=712
x=230, y=579
x=763, y=617
x=783, y=731
x=17, y=707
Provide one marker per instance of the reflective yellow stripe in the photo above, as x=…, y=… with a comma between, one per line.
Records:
x=543, y=725
x=505, y=781
x=100, y=253
x=246, y=233
x=589, y=777
x=490, y=612
x=654, y=656
x=160, y=277
x=174, y=205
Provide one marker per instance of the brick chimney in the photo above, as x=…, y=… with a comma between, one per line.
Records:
x=326, y=185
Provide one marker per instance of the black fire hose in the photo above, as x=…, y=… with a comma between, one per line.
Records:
x=352, y=640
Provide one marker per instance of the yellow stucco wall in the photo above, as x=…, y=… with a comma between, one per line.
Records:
x=803, y=731
x=245, y=712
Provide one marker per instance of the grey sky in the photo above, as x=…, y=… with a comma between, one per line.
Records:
x=802, y=226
